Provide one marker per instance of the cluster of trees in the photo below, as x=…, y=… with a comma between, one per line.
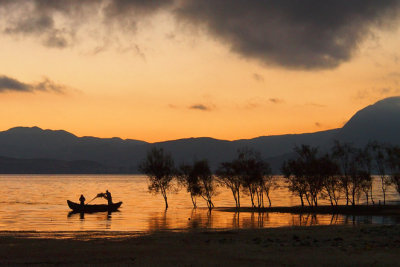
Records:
x=247, y=173
x=344, y=172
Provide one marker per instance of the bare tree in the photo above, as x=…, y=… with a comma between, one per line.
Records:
x=250, y=172
x=379, y=155
x=159, y=167
x=342, y=153
x=393, y=153
x=228, y=174
x=202, y=171
x=294, y=173
x=269, y=183
x=190, y=181
x=360, y=175
x=330, y=172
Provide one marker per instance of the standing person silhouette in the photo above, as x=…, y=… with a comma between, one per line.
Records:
x=108, y=197
x=82, y=200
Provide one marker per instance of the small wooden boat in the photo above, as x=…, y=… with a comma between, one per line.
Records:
x=93, y=208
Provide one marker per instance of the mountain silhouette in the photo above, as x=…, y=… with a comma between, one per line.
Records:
x=380, y=122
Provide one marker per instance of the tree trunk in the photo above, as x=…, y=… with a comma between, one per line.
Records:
x=252, y=198
x=308, y=200
x=269, y=200
x=383, y=190
x=372, y=198
x=234, y=197
x=193, y=201
x=330, y=199
x=164, y=194
x=301, y=199
x=384, y=197
x=166, y=202
x=238, y=197
x=262, y=199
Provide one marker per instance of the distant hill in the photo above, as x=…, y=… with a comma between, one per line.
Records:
x=123, y=156
x=380, y=121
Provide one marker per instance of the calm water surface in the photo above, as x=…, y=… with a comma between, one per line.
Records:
x=38, y=203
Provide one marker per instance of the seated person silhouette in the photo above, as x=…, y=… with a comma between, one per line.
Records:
x=82, y=200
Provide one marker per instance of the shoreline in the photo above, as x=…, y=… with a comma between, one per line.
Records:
x=371, y=210
x=295, y=246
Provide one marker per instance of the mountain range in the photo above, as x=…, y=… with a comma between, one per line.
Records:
x=34, y=150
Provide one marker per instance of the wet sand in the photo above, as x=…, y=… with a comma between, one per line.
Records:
x=293, y=246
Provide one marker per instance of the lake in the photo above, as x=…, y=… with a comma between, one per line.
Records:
x=38, y=203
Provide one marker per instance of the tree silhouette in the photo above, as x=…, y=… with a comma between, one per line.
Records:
x=159, y=167
x=254, y=175
x=311, y=176
x=331, y=183
x=190, y=181
x=201, y=170
x=380, y=158
x=229, y=175
x=393, y=160
x=294, y=173
x=360, y=179
x=342, y=153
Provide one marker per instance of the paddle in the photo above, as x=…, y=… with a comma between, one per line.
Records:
x=98, y=195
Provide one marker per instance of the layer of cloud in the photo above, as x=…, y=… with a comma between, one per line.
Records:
x=258, y=77
x=374, y=94
x=201, y=107
x=8, y=84
x=317, y=105
x=276, y=100
x=299, y=34
x=56, y=23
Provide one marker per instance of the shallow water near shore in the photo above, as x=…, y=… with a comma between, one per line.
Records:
x=38, y=203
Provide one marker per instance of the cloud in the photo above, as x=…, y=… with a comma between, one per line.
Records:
x=315, y=105
x=295, y=34
x=258, y=77
x=374, y=94
x=307, y=34
x=46, y=85
x=318, y=124
x=276, y=100
x=201, y=107
x=56, y=23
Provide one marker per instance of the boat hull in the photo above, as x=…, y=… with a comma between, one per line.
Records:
x=93, y=208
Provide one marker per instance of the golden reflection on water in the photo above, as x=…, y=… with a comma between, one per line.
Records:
x=38, y=203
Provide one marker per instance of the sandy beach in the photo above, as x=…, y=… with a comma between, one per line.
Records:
x=294, y=246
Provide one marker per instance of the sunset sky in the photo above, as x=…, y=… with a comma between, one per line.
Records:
x=164, y=69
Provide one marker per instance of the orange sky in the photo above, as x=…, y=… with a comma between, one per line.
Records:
x=169, y=82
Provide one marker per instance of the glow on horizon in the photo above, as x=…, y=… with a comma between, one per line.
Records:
x=177, y=83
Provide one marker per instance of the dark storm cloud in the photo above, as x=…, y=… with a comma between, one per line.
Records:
x=296, y=34
x=299, y=34
x=11, y=84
